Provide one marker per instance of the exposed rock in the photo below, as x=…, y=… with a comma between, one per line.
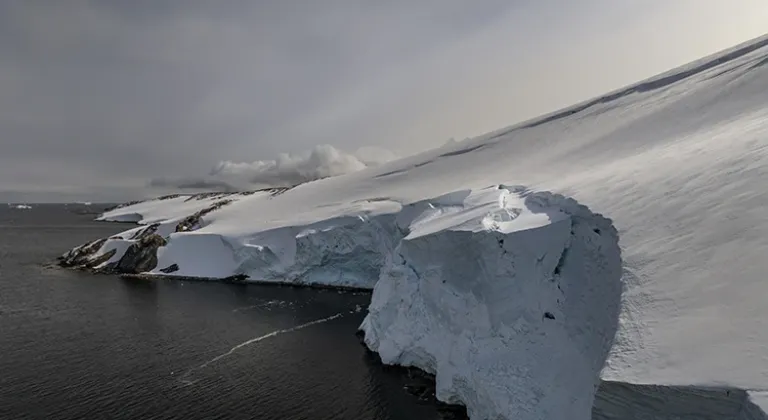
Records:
x=100, y=259
x=192, y=222
x=207, y=195
x=237, y=278
x=80, y=256
x=143, y=233
x=274, y=191
x=278, y=190
x=141, y=256
x=188, y=223
x=170, y=269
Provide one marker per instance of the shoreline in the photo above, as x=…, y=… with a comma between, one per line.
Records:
x=240, y=280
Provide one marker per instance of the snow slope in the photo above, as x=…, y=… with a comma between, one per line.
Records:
x=679, y=162
x=165, y=209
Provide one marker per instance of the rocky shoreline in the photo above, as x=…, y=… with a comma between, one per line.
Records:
x=141, y=255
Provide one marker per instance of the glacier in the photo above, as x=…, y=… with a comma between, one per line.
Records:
x=510, y=296
x=678, y=162
x=515, y=320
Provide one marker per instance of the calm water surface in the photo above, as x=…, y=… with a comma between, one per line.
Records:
x=75, y=345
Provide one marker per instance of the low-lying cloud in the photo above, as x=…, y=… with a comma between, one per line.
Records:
x=322, y=161
x=192, y=184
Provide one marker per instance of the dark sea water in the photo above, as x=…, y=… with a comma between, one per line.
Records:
x=79, y=346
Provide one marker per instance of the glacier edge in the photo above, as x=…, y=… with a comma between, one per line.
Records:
x=509, y=296
x=514, y=324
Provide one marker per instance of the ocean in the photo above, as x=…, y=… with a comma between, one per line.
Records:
x=79, y=346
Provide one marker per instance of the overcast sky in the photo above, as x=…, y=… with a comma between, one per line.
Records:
x=99, y=97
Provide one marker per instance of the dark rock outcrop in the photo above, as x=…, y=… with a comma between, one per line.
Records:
x=236, y=278
x=278, y=190
x=143, y=233
x=193, y=222
x=274, y=191
x=141, y=256
x=170, y=269
x=100, y=259
x=207, y=195
x=80, y=256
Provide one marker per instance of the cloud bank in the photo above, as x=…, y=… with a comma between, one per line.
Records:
x=97, y=97
x=191, y=184
x=322, y=161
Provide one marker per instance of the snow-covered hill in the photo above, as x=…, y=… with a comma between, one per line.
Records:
x=679, y=162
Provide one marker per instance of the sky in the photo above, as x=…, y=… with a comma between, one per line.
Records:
x=115, y=100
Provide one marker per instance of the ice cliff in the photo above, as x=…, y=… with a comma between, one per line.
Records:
x=513, y=311
x=511, y=297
